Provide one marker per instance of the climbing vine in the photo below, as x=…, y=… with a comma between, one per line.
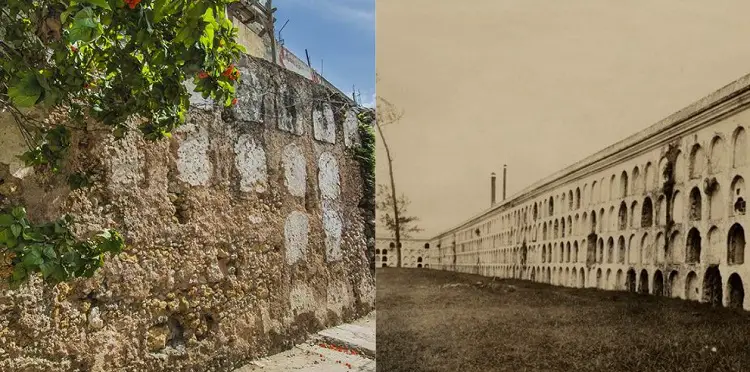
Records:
x=51, y=248
x=365, y=155
x=111, y=60
x=117, y=62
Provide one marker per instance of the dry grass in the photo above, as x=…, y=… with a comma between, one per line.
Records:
x=432, y=320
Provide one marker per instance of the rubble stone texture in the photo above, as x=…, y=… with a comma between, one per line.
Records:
x=231, y=254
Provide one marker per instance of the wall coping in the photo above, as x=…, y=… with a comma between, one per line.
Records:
x=700, y=113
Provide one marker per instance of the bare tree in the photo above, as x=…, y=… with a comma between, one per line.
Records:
x=398, y=224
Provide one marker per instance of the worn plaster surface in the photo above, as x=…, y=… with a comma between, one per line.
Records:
x=229, y=246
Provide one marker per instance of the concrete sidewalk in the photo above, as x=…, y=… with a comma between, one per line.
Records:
x=348, y=347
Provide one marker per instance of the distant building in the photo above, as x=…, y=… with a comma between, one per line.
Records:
x=414, y=252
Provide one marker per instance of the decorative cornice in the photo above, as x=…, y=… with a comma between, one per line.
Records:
x=718, y=105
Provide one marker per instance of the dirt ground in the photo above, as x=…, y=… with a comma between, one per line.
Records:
x=431, y=320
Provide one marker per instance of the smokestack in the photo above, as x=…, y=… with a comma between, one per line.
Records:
x=505, y=176
x=492, y=187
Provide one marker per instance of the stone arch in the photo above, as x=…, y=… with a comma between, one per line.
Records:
x=659, y=248
x=562, y=227
x=672, y=284
x=599, y=278
x=594, y=190
x=679, y=167
x=575, y=251
x=697, y=161
x=737, y=196
x=736, y=245
x=610, y=249
x=636, y=183
x=630, y=281
x=593, y=221
x=677, y=207
x=557, y=229
x=603, y=220
x=582, y=278
x=661, y=210
x=658, y=283
x=600, y=253
x=662, y=169
x=676, y=248
x=634, y=252
x=692, y=286
x=619, y=280
x=712, y=292
x=551, y=206
x=735, y=291
x=608, y=280
x=648, y=175
x=647, y=213
x=717, y=156
x=621, y=250
x=739, y=148
x=696, y=207
x=544, y=231
x=578, y=198
x=643, y=282
x=622, y=216
x=544, y=253
x=693, y=247
x=571, y=201
x=646, y=253
x=623, y=184
x=612, y=188
x=612, y=221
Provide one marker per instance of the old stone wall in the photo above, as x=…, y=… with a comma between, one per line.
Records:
x=244, y=235
x=662, y=212
x=414, y=252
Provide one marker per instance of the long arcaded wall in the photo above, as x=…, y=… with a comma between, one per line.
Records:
x=661, y=212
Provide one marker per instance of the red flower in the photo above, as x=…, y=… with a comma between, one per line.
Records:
x=231, y=72
x=132, y=3
x=86, y=86
x=234, y=101
x=202, y=75
x=73, y=48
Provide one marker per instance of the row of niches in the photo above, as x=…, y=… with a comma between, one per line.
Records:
x=700, y=206
x=704, y=164
x=709, y=247
x=713, y=284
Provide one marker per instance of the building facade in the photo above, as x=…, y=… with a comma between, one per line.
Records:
x=661, y=212
x=414, y=252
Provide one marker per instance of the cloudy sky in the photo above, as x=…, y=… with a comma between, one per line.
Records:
x=537, y=85
x=341, y=33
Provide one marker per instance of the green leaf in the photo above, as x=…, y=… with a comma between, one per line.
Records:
x=33, y=258
x=19, y=212
x=207, y=38
x=25, y=92
x=49, y=252
x=84, y=27
x=100, y=3
x=16, y=229
x=6, y=220
x=19, y=273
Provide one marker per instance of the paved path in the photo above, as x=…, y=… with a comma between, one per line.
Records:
x=348, y=347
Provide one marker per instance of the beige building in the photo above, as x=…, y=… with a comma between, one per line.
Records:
x=661, y=212
x=414, y=252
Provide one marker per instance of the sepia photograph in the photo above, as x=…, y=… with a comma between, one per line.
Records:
x=561, y=185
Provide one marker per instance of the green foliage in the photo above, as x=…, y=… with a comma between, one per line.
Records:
x=113, y=60
x=51, y=249
x=79, y=181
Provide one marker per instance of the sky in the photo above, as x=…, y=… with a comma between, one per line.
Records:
x=341, y=33
x=536, y=85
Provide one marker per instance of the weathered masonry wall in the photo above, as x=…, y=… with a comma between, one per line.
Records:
x=244, y=235
x=661, y=212
x=414, y=252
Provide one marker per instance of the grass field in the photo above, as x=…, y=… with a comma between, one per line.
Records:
x=431, y=320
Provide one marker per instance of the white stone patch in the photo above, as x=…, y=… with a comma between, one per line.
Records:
x=324, y=124
x=296, y=230
x=351, y=129
x=125, y=161
x=333, y=230
x=328, y=176
x=250, y=160
x=302, y=299
x=338, y=297
x=13, y=145
x=249, y=97
x=193, y=164
x=295, y=172
x=196, y=98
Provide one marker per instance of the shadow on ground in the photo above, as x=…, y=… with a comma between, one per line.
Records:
x=431, y=320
